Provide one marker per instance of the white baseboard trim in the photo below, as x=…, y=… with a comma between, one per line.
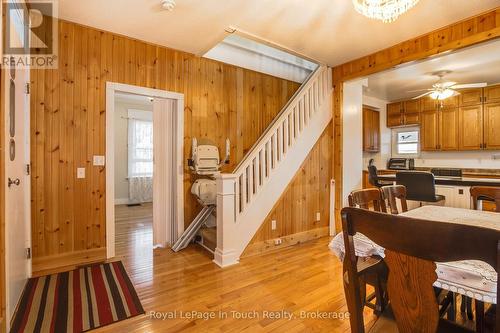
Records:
x=122, y=201
x=226, y=258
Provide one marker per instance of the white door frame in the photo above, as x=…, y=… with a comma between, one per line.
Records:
x=111, y=89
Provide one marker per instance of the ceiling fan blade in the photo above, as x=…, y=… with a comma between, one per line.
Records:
x=418, y=90
x=469, y=85
x=447, y=84
x=420, y=96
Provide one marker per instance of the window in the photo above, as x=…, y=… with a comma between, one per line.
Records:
x=140, y=148
x=407, y=142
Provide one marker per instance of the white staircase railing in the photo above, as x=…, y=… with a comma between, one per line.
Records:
x=246, y=196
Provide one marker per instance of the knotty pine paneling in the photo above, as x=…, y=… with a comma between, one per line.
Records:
x=68, y=124
x=307, y=193
x=474, y=30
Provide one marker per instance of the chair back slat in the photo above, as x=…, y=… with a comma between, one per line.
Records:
x=412, y=247
x=481, y=193
x=390, y=194
x=366, y=199
x=411, y=292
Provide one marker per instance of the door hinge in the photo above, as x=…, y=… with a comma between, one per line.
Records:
x=28, y=253
x=28, y=88
x=28, y=169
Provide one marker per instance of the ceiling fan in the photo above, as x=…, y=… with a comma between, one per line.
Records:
x=444, y=89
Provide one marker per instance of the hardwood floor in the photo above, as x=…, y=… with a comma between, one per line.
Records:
x=305, y=277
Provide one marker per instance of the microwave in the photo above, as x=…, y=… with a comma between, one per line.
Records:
x=401, y=164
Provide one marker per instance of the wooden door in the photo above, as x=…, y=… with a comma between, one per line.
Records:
x=470, y=97
x=428, y=104
x=412, y=119
x=394, y=114
x=492, y=126
x=470, y=125
x=429, y=130
x=448, y=134
x=492, y=94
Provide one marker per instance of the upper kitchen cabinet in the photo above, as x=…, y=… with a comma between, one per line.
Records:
x=470, y=97
x=491, y=126
x=492, y=94
x=471, y=127
x=395, y=114
x=403, y=113
x=428, y=104
x=371, y=130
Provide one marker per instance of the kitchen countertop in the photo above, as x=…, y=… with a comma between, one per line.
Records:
x=456, y=181
x=466, y=172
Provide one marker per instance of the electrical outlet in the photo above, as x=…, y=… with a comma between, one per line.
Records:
x=318, y=216
x=278, y=241
x=80, y=173
x=273, y=225
x=99, y=160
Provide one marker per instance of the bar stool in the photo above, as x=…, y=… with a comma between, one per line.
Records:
x=420, y=186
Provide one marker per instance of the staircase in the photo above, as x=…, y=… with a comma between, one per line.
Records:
x=246, y=196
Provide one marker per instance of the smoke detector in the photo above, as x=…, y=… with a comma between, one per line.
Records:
x=168, y=4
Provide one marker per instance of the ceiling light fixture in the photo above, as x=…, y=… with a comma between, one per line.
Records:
x=385, y=10
x=168, y=4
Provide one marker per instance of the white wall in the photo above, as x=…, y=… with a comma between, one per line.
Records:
x=121, y=140
x=352, y=152
x=385, y=134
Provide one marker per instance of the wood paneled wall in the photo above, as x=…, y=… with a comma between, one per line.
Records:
x=307, y=194
x=465, y=33
x=68, y=124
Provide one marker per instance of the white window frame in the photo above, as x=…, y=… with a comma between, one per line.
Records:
x=142, y=116
x=394, y=141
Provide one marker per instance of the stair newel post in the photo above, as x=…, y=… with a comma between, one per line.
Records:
x=227, y=237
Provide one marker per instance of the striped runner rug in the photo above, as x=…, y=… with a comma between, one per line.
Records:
x=77, y=301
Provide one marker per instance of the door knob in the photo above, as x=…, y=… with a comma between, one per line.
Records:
x=11, y=182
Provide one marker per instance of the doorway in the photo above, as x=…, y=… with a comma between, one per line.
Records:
x=144, y=170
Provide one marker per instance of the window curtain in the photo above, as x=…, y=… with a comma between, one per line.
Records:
x=140, y=156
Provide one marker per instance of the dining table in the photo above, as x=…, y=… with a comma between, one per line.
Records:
x=472, y=278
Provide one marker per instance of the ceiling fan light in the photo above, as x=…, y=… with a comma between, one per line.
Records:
x=434, y=95
x=447, y=93
x=385, y=10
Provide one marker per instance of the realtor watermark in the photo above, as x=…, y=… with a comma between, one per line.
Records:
x=30, y=39
x=244, y=315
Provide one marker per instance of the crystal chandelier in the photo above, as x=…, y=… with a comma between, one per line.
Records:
x=384, y=10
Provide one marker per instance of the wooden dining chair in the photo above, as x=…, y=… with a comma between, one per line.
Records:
x=412, y=247
x=370, y=198
x=371, y=270
x=485, y=193
x=390, y=194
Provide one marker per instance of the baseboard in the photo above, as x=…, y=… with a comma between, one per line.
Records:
x=65, y=261
x=286, y=241
x=122, y=201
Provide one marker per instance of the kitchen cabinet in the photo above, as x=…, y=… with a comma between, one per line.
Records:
x=429, y=133
x=469, y=97
x=448, y=129
x=491, y=94
x=371, y=130
x=394, y=114
x=471, y=127
x=449, y=103
x=491, y=113
x=403, y=113
x=428, y=104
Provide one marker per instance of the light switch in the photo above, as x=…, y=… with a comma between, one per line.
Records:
x=99, y=160
x=318, y=216
x=273, y=225
x=80, y=173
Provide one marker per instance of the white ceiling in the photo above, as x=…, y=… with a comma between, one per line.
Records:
x=472, y=65
x=328, y=31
